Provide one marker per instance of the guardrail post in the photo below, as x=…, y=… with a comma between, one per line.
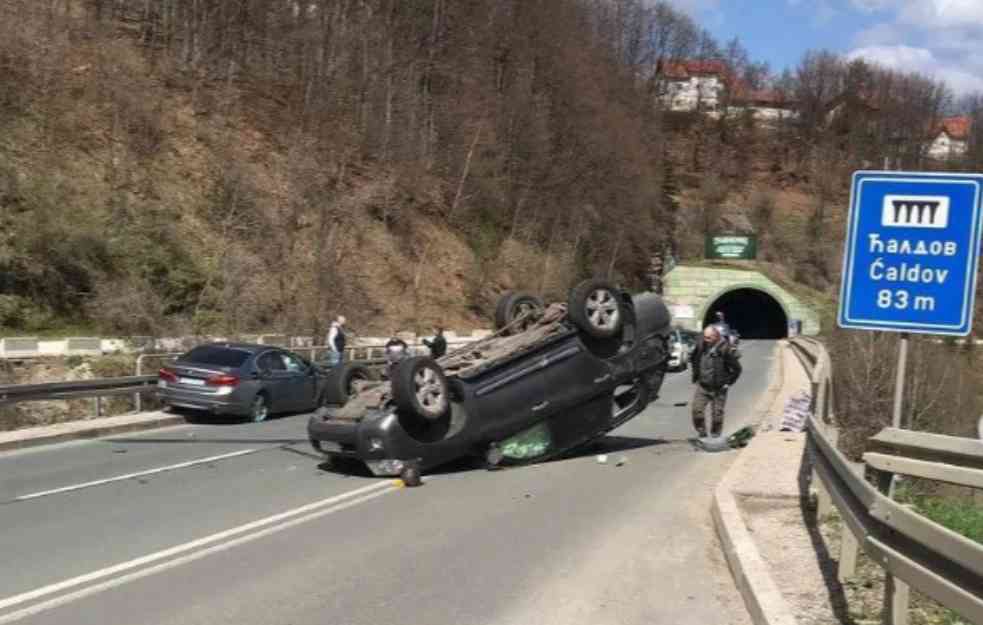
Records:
x=848, y=555
x=137, y=400
x=98, y=406
x=897, y=594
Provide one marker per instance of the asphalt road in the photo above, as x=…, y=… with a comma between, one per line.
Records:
x=236, y=523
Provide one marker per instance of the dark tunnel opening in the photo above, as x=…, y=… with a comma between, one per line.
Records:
x=753, y=313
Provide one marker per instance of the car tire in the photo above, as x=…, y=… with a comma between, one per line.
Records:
x=513, y=305
x=338, y=388
x=259, y=409
x=420, y=388
x=595, y=308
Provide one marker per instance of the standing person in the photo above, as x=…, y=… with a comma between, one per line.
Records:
x=724, y=328
x=716, y=366
x=336, y=341
x=396, y=350
x=437, y=345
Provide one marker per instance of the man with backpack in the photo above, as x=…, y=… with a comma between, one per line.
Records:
x=716, y=366
x=438, y=344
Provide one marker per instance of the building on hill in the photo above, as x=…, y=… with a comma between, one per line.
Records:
x=768, y=105
x=691, y=86
x=709, y=86
x=950, y=139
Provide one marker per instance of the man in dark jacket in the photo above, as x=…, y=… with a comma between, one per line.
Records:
x=715, y=365
x=437, y=345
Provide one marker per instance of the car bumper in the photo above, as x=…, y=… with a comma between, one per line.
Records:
x=233, y=403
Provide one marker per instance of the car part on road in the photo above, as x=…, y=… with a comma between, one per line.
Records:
x=595, y=308
x=512, y=307
x=420, y=388
x=411, y=474
x=529, y=444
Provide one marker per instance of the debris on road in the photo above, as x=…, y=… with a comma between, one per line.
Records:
x=736, y=440
x=602, y=459
x=621, y=461
x=797, y=411
x=528, y=444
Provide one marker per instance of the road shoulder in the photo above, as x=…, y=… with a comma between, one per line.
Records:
x=89, y=428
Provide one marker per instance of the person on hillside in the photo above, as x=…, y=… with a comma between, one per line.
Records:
x=438, y=344
x=716, y=367
x=336, y=341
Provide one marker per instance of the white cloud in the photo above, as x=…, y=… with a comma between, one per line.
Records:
x=943, y=13
x=871, y=6
x=922, y=60
x=939, y=38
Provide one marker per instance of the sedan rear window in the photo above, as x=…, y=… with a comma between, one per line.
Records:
x=216, y=356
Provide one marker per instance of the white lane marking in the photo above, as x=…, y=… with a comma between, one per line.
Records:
x=178, y=549
x=191, y=557
x=128, y=476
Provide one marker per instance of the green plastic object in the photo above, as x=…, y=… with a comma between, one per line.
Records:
x=527, y=444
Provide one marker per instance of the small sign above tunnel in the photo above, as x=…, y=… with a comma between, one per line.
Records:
x=731, y=247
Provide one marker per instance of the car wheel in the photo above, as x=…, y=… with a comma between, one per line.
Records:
x=512, y=306
x=595, y=308
x=420, y=388
x=259, y=409
x=342, y=384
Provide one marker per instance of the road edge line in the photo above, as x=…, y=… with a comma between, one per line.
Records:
x=95, y=430
x=762, y=598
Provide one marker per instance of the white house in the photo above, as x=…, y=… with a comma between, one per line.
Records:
x=690, y=86
x=693, y=85
x=950, y=138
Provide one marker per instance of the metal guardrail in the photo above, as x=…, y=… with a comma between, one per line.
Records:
x=97, y=388
x=913, y=550
x=139, y=383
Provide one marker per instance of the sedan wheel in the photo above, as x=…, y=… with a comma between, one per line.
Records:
x=260, y=410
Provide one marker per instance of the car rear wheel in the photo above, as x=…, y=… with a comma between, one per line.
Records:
x=420, y=388
x=513, y=306
x=595, y=308
x=259, y=409
x=342, y=383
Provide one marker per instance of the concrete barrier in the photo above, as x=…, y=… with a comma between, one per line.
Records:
x=83, y=346
x=20, y=346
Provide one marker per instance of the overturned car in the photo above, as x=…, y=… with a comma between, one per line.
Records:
x=551, y=379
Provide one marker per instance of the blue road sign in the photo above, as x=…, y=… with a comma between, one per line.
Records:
x=912, y=251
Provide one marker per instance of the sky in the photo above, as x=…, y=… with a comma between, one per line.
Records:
x=939, y=38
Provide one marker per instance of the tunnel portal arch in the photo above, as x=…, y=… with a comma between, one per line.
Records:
x=750, y=309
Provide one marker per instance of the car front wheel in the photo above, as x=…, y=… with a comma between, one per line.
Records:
x=420, y=388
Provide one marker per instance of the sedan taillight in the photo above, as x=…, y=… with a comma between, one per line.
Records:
x=167, y=375
x=222, y=379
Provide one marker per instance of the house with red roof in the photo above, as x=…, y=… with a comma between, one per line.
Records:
x=691, y=86
x=950, y=138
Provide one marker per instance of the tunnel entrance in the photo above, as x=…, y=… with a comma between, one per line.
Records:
x=752, y=312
